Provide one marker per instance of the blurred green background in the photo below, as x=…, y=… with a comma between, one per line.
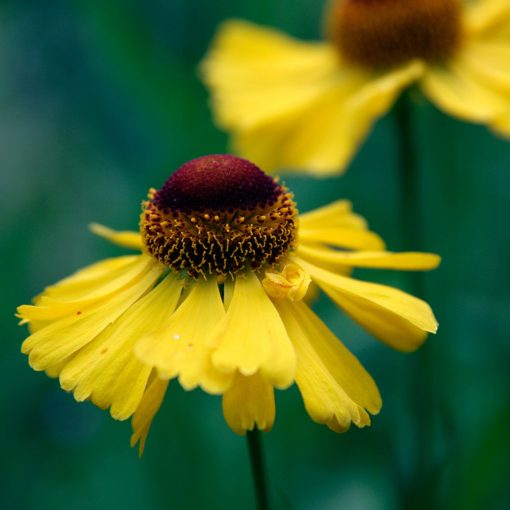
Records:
x=98, y=102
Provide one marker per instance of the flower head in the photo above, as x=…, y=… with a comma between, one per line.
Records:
x=216, y=299
x=308, y=106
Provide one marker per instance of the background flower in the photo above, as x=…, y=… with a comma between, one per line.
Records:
x=98, y=102
x=308, y=106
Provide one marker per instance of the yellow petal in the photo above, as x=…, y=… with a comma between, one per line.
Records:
x=249, y=402
x=124, y=238
x=106, y=370
x=323, y=138
x=395, y=317
x=179, y=348
x=257, y=74
x=461, y=91
x=149, y=406
x=342, y=238
x=371, y=259
x=59, y=340
x=291, y=104
x=252, y=338
x=335, y=214
x=336, y=389
x=73, y=287
x=484, y=16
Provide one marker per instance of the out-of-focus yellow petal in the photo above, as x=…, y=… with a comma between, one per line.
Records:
x=252, y=338
x=485, y=16
x=149, y=406
x=258, y=74
x=372, y=259
x=106, y=370
x=294, y=105
x=179, y=347
x=336, y=389
x=57, y=341
x=395, y=317
x=124, y=238
x=324, y=138
x=249, y=402
x=474, y=83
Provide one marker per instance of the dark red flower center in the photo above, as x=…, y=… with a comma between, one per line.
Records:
x=217, y=182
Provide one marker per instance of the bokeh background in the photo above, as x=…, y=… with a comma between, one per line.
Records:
x=101, y=100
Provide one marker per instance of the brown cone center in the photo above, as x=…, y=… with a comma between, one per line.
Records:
x=379, y=34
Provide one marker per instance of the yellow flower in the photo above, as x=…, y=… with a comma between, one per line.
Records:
x=215, y=299
x=308, y=106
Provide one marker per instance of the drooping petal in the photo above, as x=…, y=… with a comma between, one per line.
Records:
x=407, y=261
x=249, y=403
x=179, y=347
x=252, y=338
x=106, y=370
x=124, y=238
x=57, y=341
x=149, y=406
x=336, y=389
x=395, y=317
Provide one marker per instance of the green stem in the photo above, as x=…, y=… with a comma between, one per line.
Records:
x=257, y=467
x=414, y=487
x=411, y=196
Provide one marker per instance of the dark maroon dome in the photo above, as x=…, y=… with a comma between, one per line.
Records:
x=217, y=182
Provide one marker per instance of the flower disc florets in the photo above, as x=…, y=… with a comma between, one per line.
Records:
x=219, y=215
x=385, y=33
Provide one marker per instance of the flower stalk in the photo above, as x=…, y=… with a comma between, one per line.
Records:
x=258, y=468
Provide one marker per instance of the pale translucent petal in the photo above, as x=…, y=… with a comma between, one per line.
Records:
x=249, y=402
x=336, y=389
x=252, y=337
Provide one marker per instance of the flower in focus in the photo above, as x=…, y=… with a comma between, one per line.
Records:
x=215, y=299
x=308, y=106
